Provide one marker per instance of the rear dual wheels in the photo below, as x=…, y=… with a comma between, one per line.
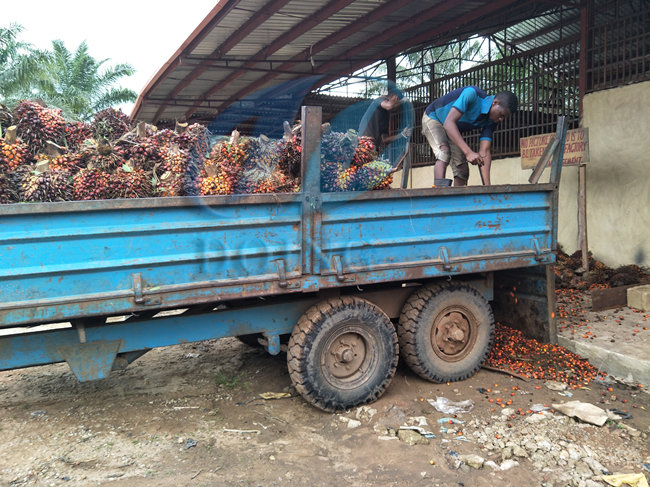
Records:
x=445, y=332
x=342, y=353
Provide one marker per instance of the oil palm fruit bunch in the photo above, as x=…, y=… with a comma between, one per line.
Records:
x=339, y=147
x=13, y=155
x=347, y=180
x=291, y=156
x=111, y=123
x=7, y=191
x=127, y=182
x=71, y=162
x=91, y=184
x=76, y=133
x=278, y=182
x=143, y=154
x=217, y=183
x=45, y=186
x=329, y=176
x=228, y=157
x=365, y=152
x=37, y=124
x=373, y=175
x=262, y=158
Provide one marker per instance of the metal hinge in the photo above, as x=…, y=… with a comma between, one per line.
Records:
x=338, y=267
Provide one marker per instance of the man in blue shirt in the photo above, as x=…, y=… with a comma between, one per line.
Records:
x=459, y=111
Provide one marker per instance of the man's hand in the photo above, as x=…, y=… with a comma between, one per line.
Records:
x=474, y=158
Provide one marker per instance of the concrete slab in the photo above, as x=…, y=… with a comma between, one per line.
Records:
x=639, y=297
x=616, y=341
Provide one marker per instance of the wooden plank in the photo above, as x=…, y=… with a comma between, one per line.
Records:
x=614, y=297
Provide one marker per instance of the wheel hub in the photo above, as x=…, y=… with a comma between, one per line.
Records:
x=346, y=355
x=451, y=333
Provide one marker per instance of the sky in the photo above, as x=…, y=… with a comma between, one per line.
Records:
x=142, y=33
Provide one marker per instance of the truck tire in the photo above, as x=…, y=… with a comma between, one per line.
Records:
x=342, y=353
x=445, y=332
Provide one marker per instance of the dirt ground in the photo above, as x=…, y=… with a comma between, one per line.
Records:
x=191, y=415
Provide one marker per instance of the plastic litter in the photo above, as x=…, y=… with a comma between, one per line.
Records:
x=450, y=420
x=566, y=393
x=620, y=413
x=190, y=443
x=274, y=395
x=481, y=390
x=632, y=479
x=538, y=408
x=445, y=406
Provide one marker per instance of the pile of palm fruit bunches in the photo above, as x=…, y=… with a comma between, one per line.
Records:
x=45, y=158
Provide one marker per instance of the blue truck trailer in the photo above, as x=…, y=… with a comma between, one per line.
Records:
x=354, y=279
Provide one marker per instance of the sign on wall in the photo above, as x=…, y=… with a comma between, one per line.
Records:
x=576, y=148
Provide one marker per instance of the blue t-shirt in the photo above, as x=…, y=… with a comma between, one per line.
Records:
x=472, y=102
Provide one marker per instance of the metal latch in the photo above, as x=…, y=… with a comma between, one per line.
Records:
x=282, y=275
x=138, y=297
x=537, y=250
x=444, y=256
x=338, y=267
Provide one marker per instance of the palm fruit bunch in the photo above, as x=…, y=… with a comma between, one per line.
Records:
x=337, y=153
x=76, y=133
x=111, y=124
x=339, y=147
x=291, y=155
x=195, y=141
x=216, y=184
x=45, y=185
x=365, y=151
x=262, y=158
x=278, y=182
x=7, y=192
x=370, y=176
x=227, y=160
x=127, y=182
x=13, y=155
x=91, y=184
x=37, y=124
x=70, y=162
x=143, y=154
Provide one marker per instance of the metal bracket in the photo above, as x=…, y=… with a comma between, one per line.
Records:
x=138, y=297
x=273, y=343
x=537, y=249
x=444, y=256
x=338, y=267
x=282, y=275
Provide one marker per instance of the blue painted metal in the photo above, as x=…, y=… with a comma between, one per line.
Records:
x=77, y=260
x=53, y=346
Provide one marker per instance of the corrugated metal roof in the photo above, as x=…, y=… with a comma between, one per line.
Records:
x=248, y=56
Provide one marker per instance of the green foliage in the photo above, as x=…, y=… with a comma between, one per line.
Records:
x=75, y=82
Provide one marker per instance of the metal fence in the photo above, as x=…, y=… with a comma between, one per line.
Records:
x=618, y=43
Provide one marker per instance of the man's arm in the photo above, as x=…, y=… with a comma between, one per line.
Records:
x=486, y=155
x=451, y=127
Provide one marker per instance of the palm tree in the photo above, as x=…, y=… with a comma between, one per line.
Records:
x=79, y=84
x=20, y=65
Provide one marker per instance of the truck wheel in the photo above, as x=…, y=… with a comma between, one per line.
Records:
x=342, y=353
x=445, y=332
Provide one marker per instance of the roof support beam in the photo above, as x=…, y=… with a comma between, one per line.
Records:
x=375, y=16
x=304, y=26
x=425, y=37
x=246, y=28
